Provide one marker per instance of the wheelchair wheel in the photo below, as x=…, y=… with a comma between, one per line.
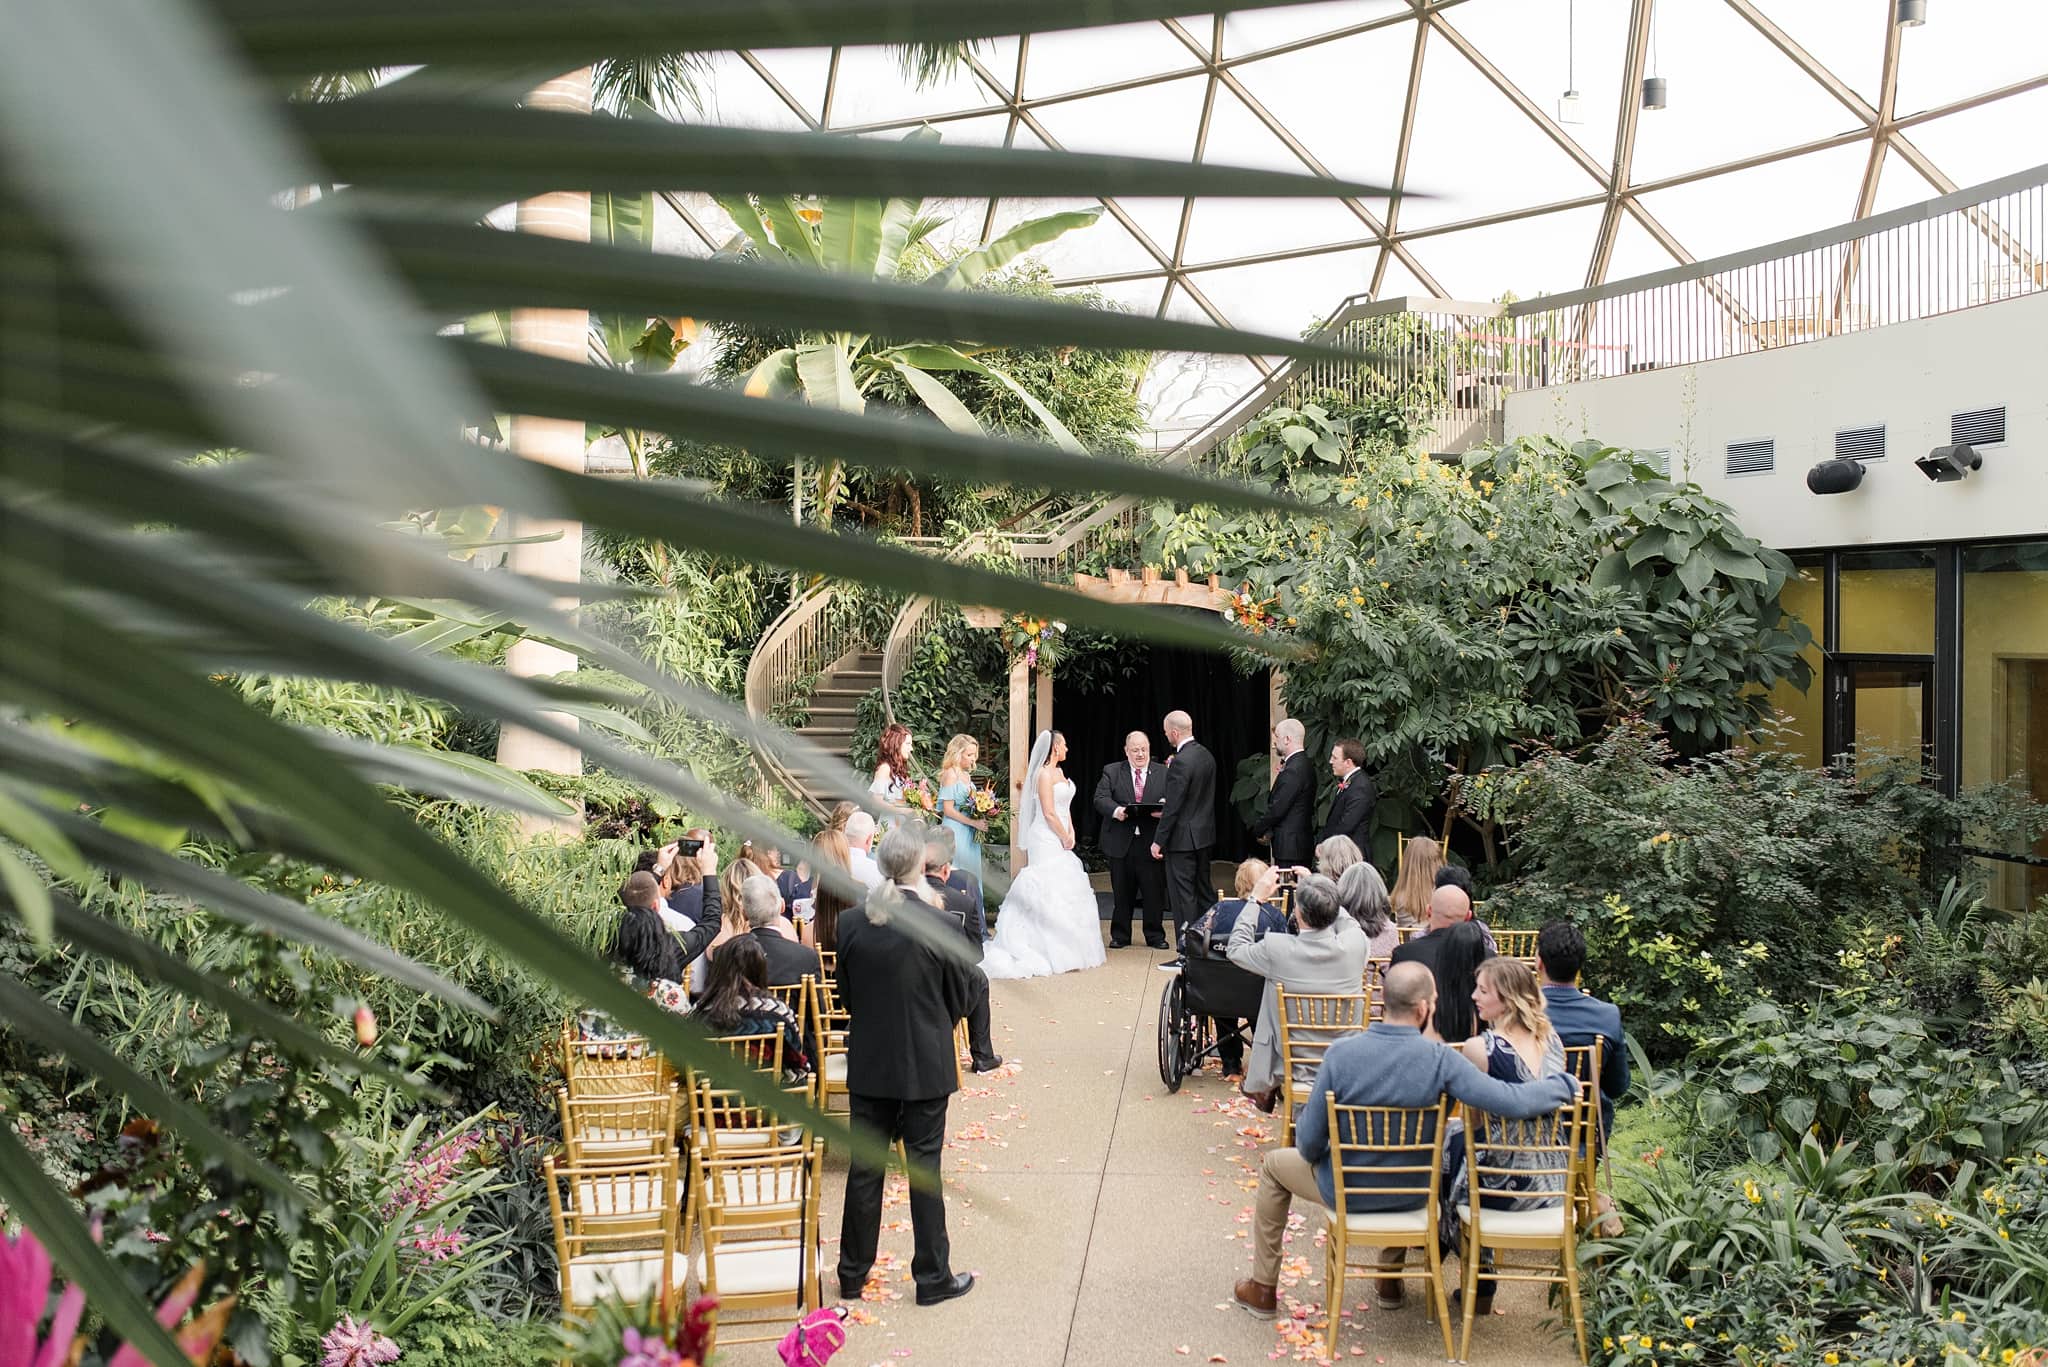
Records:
x=1171, y=1058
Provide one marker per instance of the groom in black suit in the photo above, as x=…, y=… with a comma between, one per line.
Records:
x=1186, y=835
x=1291, y=807
x=1126, y=840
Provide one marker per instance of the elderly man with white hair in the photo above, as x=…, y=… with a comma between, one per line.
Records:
x=788, y=961
x=860, y=860
x=1291, y=806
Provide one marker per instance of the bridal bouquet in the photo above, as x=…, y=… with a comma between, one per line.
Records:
x=918, y=794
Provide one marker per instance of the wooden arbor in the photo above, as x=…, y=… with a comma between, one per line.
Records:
x=1031, y=697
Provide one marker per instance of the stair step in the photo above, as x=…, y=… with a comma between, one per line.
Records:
x=832, y=696
x=835, y=712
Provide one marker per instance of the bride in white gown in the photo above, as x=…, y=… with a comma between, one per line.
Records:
x=1049, y=922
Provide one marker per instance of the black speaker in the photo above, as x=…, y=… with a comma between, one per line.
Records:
x=1835, y=476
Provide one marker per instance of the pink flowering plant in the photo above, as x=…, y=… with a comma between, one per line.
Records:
x=620, y=1333
x=405, y=1243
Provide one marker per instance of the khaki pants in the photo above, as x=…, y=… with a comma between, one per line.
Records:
x=1284, y=1176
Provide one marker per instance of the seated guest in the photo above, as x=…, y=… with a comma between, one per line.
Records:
x=644, y=946
x=826, y=902
x=1449, y=905
x=1392, y=1063
x=964, y=910
x=1459, y=877
x=1208, y=937
x=682, y=885
x=1581, y=1018
x=1363, y=893
x=860, y=838
x=1327, y=956
x=1336, y=854
x=736, y=1001
x=1420, y=860
x=730, y=923
x=1456, y=968
x=788, y=961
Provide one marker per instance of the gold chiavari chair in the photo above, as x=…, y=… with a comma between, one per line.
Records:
x=799, y=998
x=1376, y=988
x=615, y=1228
x=724, y=1123
x=1309, y=1024
x=1385, y=1155
x=760, y=1229
x=1516, y=944
x=828, y=963
x=1406, y=933
x=1533, y=1163
x=831, y=1023
x=1583, y=1062
x=603, y=1129
x=613, y=1067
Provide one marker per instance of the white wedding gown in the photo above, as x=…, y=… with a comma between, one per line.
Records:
x=1049, y=922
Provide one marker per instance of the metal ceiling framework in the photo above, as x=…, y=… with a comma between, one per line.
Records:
x=1612, y=183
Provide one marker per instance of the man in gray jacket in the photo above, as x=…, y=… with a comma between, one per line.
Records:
x=1327, y=956
x=1393, y=1063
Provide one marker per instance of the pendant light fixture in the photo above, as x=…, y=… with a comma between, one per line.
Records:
x=1912, y=13
x=1568, y=103
x=1655, y=91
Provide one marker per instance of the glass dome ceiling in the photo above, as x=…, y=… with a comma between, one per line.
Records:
x=1783, y=117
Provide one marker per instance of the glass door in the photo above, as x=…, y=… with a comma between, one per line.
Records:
x=1881, y=705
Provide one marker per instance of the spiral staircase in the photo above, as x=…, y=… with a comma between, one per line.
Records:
x=809, y=666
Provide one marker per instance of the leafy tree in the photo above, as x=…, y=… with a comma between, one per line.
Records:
x=1464, y=613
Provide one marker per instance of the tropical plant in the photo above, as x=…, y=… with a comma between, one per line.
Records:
x=307, y=341
x=867, y=239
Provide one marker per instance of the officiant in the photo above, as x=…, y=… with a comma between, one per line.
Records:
x=1128, y=796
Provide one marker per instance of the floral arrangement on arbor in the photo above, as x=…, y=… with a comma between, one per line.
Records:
x=1254, y=614
x=1035, y=639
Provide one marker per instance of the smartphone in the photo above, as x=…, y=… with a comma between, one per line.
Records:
x=688, y=848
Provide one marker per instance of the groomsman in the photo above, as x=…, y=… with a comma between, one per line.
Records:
x=1351, y=805
x=1291, y=806
x=1186, y=836
x=1126, y=838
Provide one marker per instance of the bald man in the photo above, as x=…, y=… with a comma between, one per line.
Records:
x=1291, y=806
x=1186, y=837
x=1126, y=839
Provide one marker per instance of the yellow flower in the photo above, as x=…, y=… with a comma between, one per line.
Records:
x=1958, y=1316
x=1687, y=1321
x=1831, y=1358
x=2003, y=1235
x=1493, y=536
x=1386, y=584
x=1644, y=1340
x=1608, y=1343
x=1750, y=1193
x=1661, y=838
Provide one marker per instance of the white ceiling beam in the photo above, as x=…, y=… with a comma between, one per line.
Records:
x=1401, y=148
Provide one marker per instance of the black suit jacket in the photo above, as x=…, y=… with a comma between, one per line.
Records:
x=1116, y=789
x=1290, y=811
x=902, y=995
x=963, y=907
x=788, y=961
x=1351, y=812
x=1189, y=821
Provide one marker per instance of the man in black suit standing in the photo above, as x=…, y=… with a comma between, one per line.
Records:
x=964, y=908
x=1351, y=804
x=1186, y=835
x=902, y=993
x=1126, y=840
x=1291, y=806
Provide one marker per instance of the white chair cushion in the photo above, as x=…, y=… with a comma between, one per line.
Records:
x=1542, y=1222
x=757, y=1269
x=835, y=1068
x=1387, y=1222
x=629, y=1276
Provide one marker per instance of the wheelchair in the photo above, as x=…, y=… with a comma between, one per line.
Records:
x=1204, y=988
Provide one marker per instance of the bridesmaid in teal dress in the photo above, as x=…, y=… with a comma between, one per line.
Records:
x=956, y=786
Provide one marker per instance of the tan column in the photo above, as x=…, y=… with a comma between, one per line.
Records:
x=1276, y=712
x=1042, y=720
x=563, y=334
x=1020, y=752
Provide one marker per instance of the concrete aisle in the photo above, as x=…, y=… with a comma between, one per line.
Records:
x=1107, y=1219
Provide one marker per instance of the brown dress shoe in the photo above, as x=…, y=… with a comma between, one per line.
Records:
x=1256, y=1297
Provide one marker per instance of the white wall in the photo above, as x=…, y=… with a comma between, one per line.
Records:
x=1909, y=377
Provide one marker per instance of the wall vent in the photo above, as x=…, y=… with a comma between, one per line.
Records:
x=1860, y=443
x=1752, y=457
x=1979, y=427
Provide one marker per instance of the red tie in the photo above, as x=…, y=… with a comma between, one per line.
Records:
x=1138, y=786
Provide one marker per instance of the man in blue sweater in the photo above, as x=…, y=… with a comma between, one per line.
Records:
x=1578, y=1017
x=1393, y=1063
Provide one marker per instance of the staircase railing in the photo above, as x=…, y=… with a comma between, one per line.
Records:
x=799, y=645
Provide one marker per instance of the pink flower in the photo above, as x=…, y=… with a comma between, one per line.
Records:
x=24, y=1286
x=648, y=1350
x=353, y=1343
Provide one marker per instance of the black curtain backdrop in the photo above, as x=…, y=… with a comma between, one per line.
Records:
x=1229, y=711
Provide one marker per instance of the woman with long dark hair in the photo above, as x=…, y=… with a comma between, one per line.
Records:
x=1457, y=974
x=892, y=767
x=736, y=1001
